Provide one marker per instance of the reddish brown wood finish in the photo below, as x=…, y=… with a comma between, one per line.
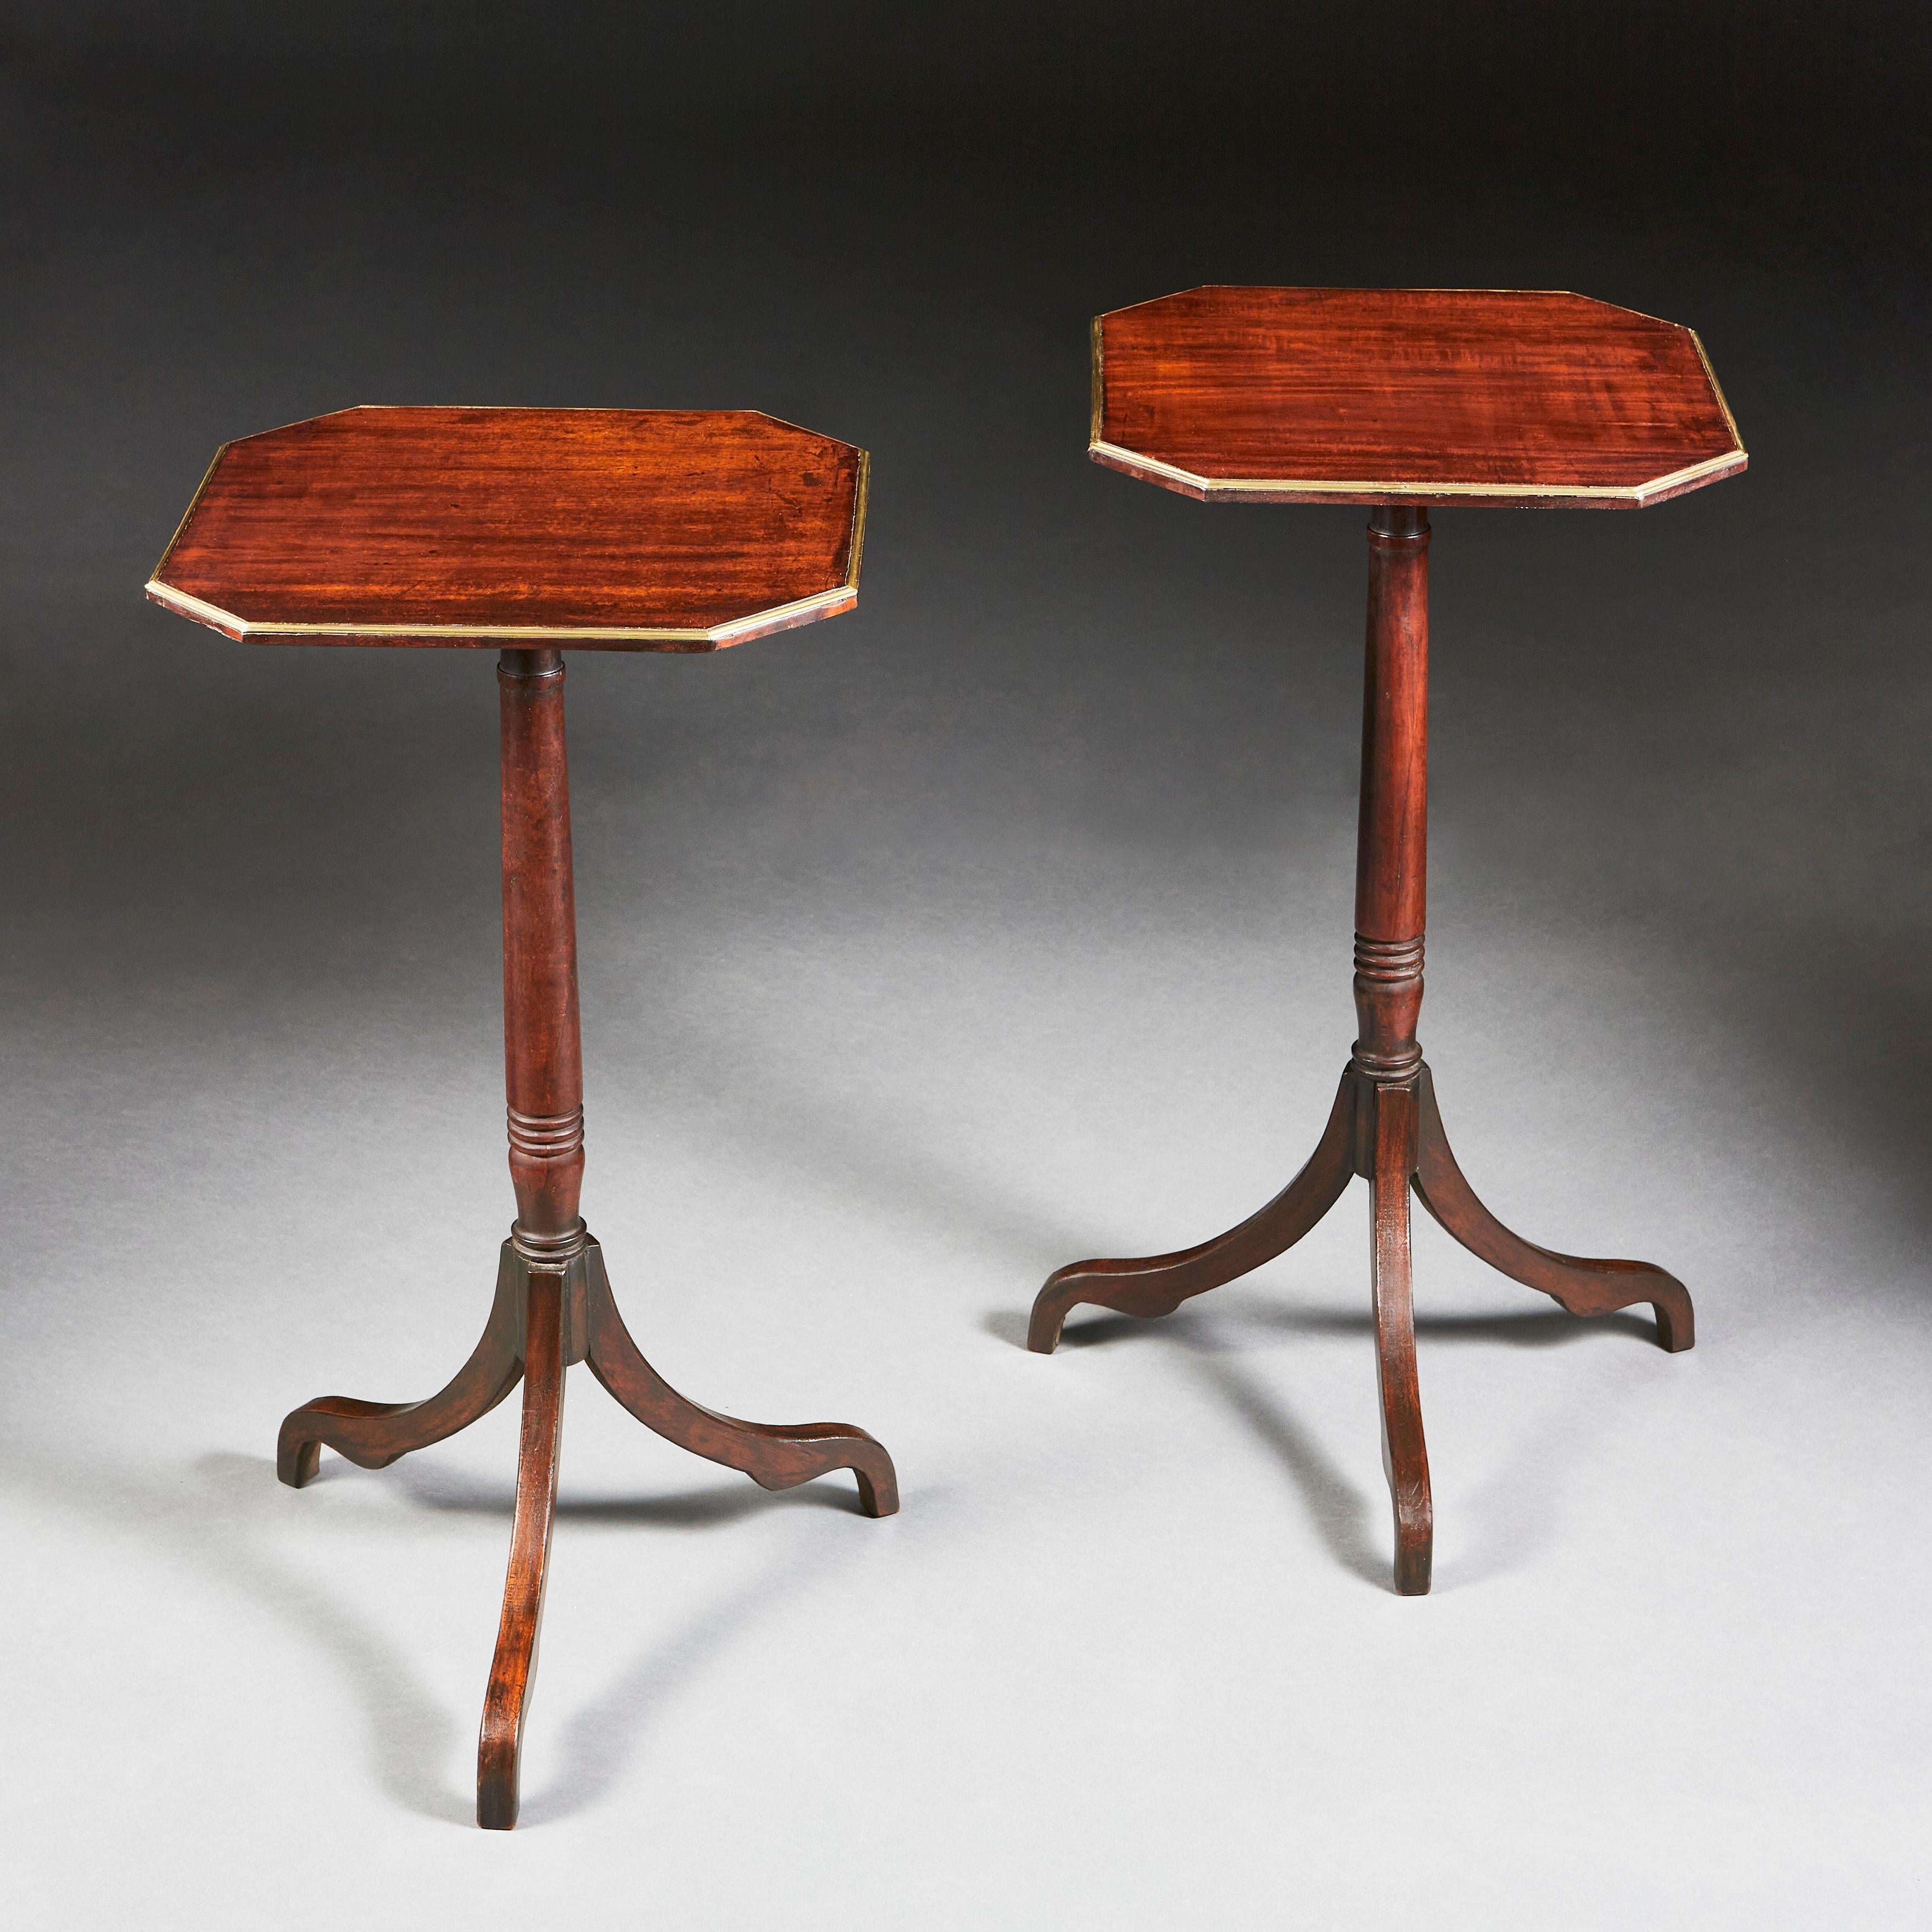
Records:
x=1404, y=1456
x=608, y=530
x=543, y=1055
x=775, y=1456
x=530, y=529
x=500, y=1745
x=1583, y=1287
x=1477, y=396
x=553, y=1305
x=372, y=1435
x=1158, y=1284
x=1384, y=1125
x=1392, y=835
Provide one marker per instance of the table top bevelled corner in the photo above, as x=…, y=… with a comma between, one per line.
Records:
x=610, y=529
x=1496, y=398
x=1405, y=400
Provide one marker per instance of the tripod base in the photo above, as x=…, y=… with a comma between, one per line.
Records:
x=546, y=1316
x=1389, y=1131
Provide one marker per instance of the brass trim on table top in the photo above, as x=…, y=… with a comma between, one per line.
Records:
x=822, y=603
x=193, y=503
x=1096, y=385
x=1639, y=494
x=1383, y=491
x=1360, y=289
x=528, y=410
x=861, y=496
x=1717, y=388
x=779, y=616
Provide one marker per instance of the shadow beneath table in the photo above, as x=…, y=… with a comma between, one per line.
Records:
x=1515, y=1511
x=217, y=1525
x=1338, y=1510
x=1342, y=1513
x=221, y=1524
x=730, y=1499
x=605, y=1735
x=1541, y=1328
x=1005, y=1325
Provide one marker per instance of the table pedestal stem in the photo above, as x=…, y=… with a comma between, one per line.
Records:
x=554, y=1306
x=543, y=1056
x=1391, y=913
x=1384, y=1125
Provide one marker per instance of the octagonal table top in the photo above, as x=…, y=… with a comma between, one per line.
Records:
x=617, y=529
x=1496, y=397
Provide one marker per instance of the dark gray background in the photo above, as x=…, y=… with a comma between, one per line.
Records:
x=1002, y=921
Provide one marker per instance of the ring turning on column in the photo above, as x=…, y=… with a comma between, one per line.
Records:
x=1403, y=401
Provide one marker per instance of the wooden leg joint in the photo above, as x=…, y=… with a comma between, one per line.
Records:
x=1384, y=1126
x=553, y=1306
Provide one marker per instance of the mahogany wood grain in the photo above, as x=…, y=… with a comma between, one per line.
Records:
x=1392, y=836
x=1582, y=1286
x=775, y=1456
x=543, y=1054
x=1384, y=1125
x=530, y=529
x=500, y=1747
x=608, y=530
x=1505, y=396
x=553, y=1305
x=372, y=1435
x=1404, y=1455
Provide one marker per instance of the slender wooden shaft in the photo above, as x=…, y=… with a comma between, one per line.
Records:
x=1405, y=1453
x=1384, y=1126
x=543, y=1060
x=500, y=1748
x=553, y=1305
x=1392, y=848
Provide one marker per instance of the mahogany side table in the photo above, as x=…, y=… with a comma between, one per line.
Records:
x=1404, y=399
x=529, y=530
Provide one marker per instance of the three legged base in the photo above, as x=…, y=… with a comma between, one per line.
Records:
x=548, y=1315
x=1390, y=1132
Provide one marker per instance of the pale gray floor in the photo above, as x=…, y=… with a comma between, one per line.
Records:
x=1004, y=922
x=1129, y=1656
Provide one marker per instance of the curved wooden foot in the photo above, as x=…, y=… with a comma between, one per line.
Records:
x=373, y=1434
x=1159, y=1284
x=1583, y=1287
x=1405, y=1452
x=775, y=1456
x=499, y=1751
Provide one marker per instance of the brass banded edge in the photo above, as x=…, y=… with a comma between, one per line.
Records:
x=862, y=497
x=1638, y=492
x=194, y=503
x=1716, y=390
x=826, y=603
x=1097, y=400
x=1426, y=289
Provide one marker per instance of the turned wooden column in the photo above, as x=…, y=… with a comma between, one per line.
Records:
x=543, y=1056
x=1391, y=912
x=1395, y=399
x=455, y=530
x=543, y=1081
x=1392, y=843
